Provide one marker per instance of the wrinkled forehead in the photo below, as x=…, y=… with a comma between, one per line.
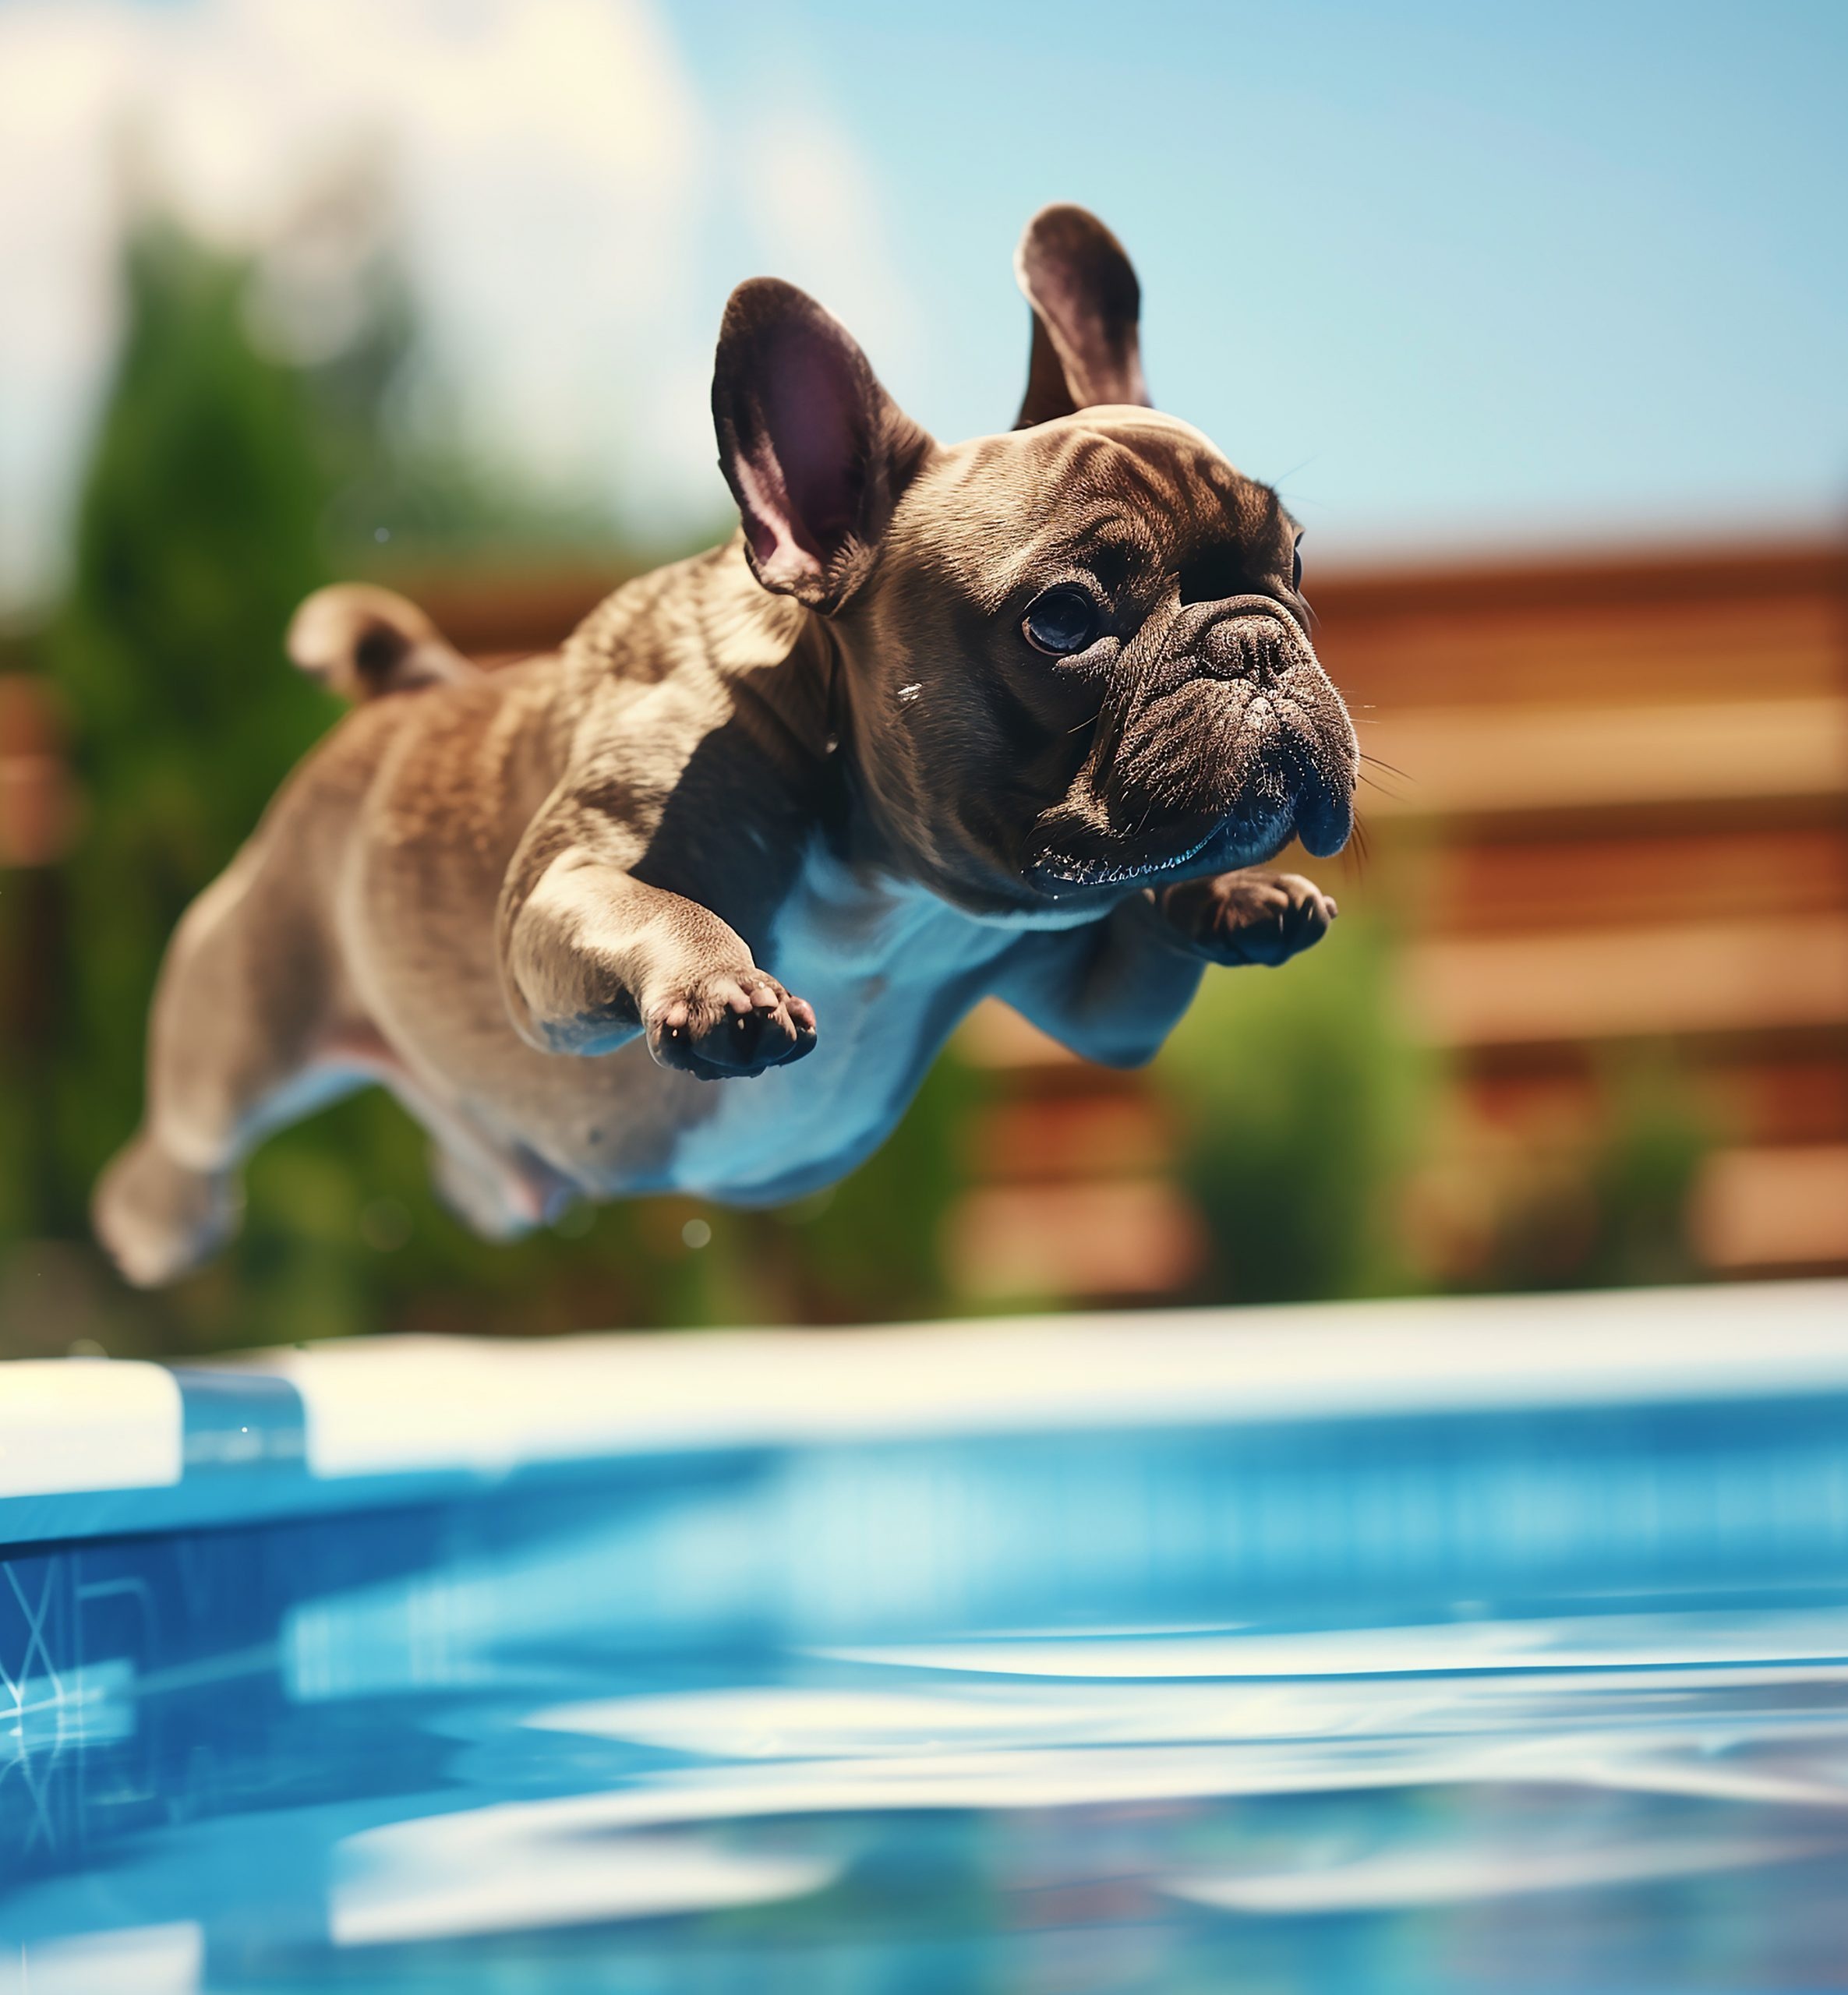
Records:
x=1117, y=490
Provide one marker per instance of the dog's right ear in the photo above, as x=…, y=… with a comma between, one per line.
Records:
x=1086, y=302
x=815, y=451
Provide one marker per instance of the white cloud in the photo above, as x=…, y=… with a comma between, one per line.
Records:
x=557, y=180
x=807, y=192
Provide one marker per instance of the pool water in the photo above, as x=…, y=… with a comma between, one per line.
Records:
x=1548, y=1697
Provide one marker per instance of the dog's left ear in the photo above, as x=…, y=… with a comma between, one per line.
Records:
x=815, y=451
x=1086, y=301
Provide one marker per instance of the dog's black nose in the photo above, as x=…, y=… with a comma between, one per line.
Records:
x=1242, y=647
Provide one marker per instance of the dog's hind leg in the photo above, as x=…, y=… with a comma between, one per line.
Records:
x=238, y=1046
x=499, y=1195
x=498, y=1189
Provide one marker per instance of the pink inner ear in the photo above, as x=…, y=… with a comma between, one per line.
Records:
x=813, y=412
x=765, y=506
x=806, y=440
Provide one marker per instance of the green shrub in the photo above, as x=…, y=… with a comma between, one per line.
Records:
x=1302, y=1106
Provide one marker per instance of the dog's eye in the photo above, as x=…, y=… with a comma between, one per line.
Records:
x=1296, y=564
x=1061, y=622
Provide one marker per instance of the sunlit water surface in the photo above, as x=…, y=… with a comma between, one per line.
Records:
x=1540, y=1701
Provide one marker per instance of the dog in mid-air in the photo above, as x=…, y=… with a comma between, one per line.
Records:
x=1022, y=716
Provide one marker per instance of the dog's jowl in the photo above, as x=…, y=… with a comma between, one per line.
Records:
x=693, y=901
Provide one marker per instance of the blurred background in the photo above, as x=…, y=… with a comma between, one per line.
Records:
x=1537, y=317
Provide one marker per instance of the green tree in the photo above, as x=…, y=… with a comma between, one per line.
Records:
x=197, y=534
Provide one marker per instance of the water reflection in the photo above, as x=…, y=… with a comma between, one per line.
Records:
x=1538, y=1700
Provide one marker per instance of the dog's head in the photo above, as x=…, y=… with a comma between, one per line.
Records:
x=1076, y=655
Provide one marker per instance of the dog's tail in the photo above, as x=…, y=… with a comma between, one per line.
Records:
x=360, y=642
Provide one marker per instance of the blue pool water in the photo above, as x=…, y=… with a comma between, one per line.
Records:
x=1540, y=1697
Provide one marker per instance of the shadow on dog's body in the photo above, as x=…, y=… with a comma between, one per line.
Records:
x=858, y=753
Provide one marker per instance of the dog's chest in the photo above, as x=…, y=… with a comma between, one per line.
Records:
x=890, y=973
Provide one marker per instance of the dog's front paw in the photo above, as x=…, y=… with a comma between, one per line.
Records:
x=1250, y=917
x=726, y=1027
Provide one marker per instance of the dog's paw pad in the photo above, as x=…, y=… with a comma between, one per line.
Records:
x=1251, y=917
x=728, y=1027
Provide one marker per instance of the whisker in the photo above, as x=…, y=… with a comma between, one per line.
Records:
x=1385, y=789
x=1392, y=768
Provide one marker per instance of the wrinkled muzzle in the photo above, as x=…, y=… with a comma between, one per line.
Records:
x=1212, y=756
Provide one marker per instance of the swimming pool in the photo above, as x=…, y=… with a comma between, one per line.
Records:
x=1401, y=1646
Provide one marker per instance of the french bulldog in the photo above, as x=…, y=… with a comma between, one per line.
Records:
x=1020, y=717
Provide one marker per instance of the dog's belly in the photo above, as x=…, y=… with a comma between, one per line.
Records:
x=881, y=1022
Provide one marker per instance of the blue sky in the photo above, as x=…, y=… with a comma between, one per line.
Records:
x=1450, y=274
x=1502, y=271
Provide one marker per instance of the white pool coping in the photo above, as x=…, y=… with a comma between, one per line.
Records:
x=394, y=1404
x=416, y=1407
x=74, y=1425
